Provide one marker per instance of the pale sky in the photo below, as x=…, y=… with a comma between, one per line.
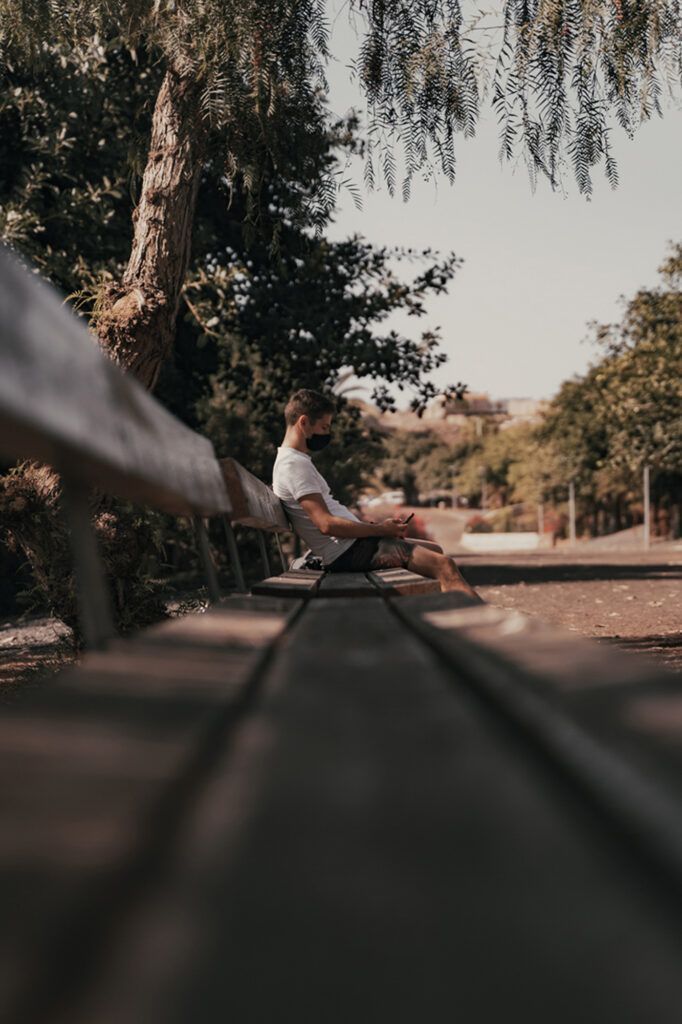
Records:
x=538, y=267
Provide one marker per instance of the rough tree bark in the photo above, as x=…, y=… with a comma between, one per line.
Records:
x=137, y=325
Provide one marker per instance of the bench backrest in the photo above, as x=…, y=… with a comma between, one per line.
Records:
x=252, y=502
x=63, y=402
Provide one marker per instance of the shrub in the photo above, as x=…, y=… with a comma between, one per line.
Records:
x=478, y=524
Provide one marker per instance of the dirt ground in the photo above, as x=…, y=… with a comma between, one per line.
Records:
x=609, y=588
x=628, y=598
x=34, y=647
x=31, y=650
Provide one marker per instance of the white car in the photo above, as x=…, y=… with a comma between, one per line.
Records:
x=387, y=498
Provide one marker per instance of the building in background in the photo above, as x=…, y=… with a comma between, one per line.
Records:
x=446, y=417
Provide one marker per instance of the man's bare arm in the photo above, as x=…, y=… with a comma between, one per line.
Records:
x=336, y=526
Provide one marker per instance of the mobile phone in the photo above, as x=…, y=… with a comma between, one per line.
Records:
x=406, y=521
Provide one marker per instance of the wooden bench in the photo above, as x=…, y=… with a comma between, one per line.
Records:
x=254, y=504
x=369, y=806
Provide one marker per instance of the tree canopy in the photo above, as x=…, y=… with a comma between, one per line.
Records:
x=254, y=323
x=555, y=72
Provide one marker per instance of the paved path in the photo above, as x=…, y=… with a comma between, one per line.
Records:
x=626, y=596
x=632, y=599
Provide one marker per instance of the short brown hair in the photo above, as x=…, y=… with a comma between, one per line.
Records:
x=307, y=403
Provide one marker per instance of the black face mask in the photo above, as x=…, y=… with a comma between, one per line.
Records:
x=317, y=442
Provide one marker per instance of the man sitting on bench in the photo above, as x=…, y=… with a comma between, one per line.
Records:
x=343, y=542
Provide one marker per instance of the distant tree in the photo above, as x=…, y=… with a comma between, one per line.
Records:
x=577, y=425
x=626, y=411
x=415, y=461
x=601, y=428
x=487, y=464
x=641, y=375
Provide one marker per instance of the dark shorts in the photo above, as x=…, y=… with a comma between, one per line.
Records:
x=367, y=554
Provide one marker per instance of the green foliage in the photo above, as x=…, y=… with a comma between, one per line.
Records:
x=626, y=412
x=255, y=322
x=416, y=462
x=641, y=378
x=512, y=464
x=565, y=66
x=305, y=318
x=72, y=145
x=602, y=428
x=305, y=321
x=130, y=541
x=559, y=69
x=257, y=65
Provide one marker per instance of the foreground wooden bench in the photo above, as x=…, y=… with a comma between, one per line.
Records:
x=369, y=805
x=365, y=810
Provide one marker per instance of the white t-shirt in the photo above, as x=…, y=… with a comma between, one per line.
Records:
x=295, y=475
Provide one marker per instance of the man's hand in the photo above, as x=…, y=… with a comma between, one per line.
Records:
x=393, y=528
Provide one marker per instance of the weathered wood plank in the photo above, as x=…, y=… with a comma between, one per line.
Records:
x=373, y=847
x=310, y=573
x=402, y=581
x=253, y=502
x=202, y=655
x=96, y=771
x=610, y=720
x=289, y=584
x=346, y=584
x=63, y=402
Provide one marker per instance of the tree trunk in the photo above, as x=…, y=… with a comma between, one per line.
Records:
x=137, y=327
x=618, y=514
x=595, y=520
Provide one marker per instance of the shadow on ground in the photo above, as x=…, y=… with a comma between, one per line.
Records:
x=666, y=648
x=509, y=573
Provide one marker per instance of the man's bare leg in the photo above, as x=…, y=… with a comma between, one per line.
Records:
x=439, y=567
x=430, y=544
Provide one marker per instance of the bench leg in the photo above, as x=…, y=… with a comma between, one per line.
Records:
x=281, y=553
x=94, y=600
x=233, y=552
x=264, y=554
x=207, y=560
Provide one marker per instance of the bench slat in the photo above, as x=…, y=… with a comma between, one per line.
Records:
x=346, y=584
x=96, y=768
x=402, y=581
x=289, y=584
x=371, y=832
